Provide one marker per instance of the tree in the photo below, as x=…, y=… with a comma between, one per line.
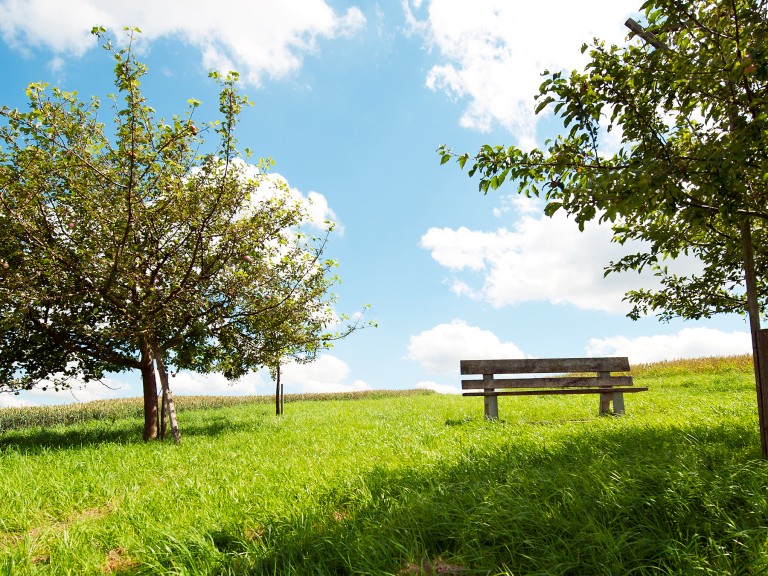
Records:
x=144, y=249
x=688, y=97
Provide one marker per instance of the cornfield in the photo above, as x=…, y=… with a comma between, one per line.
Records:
x=111, y=410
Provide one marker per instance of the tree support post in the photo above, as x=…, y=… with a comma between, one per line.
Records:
x=278, y=392
x=760, y=357
x=759, y=337
x=169, y=406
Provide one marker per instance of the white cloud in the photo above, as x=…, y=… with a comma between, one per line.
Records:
x=492, y=52
x=517, y=204
x=326, y=374
x=13, y=401
x=687, y=343
x=318, y=212
x=439, y=349
x=439, y=388
x=187, y=383
x=79, y=392
x=539, y=259
x=260, y=39
x=316, y=204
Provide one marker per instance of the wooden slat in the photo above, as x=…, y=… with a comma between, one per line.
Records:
x=556, y=391
x=544, y=365
x=564, y=382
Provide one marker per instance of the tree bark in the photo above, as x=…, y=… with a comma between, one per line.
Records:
x=149, y=385
x=169, y=405
x=753, y=306
x=759, y=353
x=163, y=421
x=278, y=392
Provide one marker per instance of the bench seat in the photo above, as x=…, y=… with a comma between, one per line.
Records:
x=567, y=376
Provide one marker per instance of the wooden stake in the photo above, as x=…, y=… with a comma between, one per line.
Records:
x=759, y=342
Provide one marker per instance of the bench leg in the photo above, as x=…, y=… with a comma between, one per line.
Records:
x=618, y=402
x=617, y=398
x=605, y=403
x=491, y=407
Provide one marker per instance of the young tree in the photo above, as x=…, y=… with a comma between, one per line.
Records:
x=145, y=249
x=688, y=97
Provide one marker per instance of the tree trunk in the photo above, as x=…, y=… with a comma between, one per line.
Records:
x=149, y=385
x=759, y=353
x=169, y=407
x=163, y=421
x=753, y=306
x=278, y=393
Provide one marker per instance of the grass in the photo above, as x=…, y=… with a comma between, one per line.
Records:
x=29, y=417
x=403, y=484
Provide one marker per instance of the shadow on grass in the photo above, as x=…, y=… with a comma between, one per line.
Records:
x=218, y=425
x=75, y=436
x=667, y=500
x=35, y=440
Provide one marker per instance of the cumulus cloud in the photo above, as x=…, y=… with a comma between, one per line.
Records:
x=327, y=374
x=439, y=349
x=78, y=392
x=13, y=401
x=492, y=53
x=538, y=259
x=316, y=204
x=187, y=383
x=260, y=39
x=687, y=343
x=318, y=211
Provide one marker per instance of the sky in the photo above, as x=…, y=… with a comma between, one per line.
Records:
x=351, y=100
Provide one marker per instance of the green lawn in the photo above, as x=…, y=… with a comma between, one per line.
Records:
x=402, y=484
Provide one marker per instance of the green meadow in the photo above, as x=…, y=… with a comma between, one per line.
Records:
x=396, y=483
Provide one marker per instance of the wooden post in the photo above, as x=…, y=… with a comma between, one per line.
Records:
x=491, y=407
x=491, y=402
x=618, y=402
x=278, y=388
x=759, y=344
x=760, y=347
x=169, y=406
x=605, y=397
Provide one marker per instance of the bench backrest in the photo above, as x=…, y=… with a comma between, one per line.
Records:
x=544, y=365
x=602, y=367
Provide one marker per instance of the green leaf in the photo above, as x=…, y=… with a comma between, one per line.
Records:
x=552, y=207
x=692, y=166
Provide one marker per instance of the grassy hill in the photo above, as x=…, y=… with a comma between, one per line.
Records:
x=398, y=483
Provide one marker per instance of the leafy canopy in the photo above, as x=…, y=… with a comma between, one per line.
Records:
x=689, y=177
x=149, y=240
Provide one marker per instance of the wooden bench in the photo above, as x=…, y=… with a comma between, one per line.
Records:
x=565, y=376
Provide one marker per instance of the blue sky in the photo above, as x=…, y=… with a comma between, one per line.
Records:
x=351, y=101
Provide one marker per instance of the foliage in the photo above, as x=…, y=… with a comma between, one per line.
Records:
x=395, y=485
x=689, y=177
x=142, y=244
